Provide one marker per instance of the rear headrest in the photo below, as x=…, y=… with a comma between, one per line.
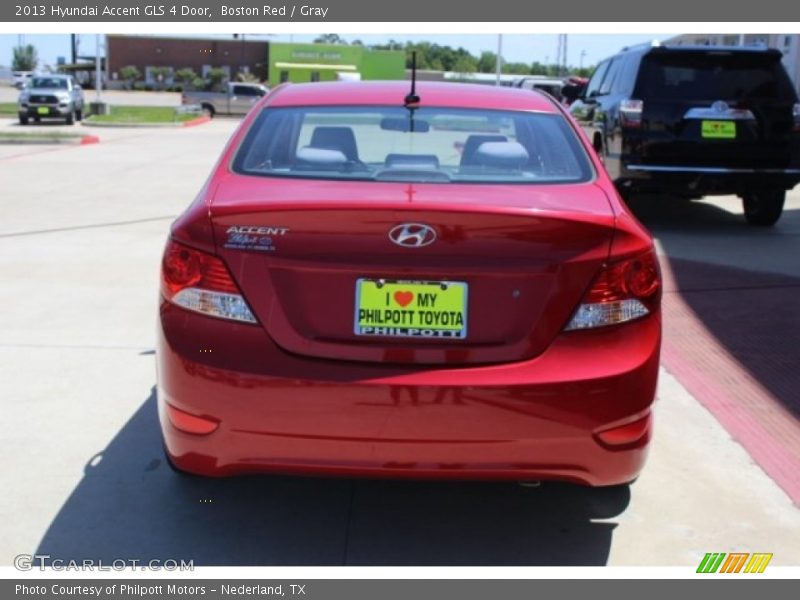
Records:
x=319, y=158
x=472, y=143
x=336, y=138
x=501, y=155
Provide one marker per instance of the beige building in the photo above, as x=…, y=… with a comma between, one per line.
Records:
x=787, y=43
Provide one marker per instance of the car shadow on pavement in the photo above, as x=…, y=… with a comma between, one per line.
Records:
x=751, y=312
x=129, y=505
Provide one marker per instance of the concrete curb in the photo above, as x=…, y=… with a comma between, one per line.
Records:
x=190, y=123
x=38, y=141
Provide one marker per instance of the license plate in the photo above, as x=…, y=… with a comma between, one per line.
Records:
x=719, y=129
x=418, y=309
x=43, y=110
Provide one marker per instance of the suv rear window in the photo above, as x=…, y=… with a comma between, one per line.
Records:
x=437, y=145
x=713, y=75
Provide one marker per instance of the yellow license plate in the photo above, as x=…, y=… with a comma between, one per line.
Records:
x=719, y=129
x=43, y=110
x=418, y=309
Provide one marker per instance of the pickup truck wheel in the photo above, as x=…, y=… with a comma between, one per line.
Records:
x=23, y=119
x=70, y=120
x=208, y=111
x=763, y=208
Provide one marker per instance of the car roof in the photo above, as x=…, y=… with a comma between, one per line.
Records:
x=670, y=48
x=451, y=95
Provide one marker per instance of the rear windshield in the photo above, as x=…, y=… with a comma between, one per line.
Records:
x=53, y=83
x=437, y=145
x=713, y=76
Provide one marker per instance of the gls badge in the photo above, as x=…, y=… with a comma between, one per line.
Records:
x=253, y=237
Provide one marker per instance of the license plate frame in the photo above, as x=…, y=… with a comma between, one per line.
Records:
x=401, y=297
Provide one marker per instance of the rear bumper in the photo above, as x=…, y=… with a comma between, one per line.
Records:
x=53, y=110
x=535, y=419
x=687, y=179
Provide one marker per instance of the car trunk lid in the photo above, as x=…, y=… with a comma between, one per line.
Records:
x=522, y=255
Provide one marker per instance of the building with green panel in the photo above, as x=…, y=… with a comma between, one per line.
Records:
x=329, y=62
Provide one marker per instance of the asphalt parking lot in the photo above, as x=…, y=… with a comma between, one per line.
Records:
x=80, y=242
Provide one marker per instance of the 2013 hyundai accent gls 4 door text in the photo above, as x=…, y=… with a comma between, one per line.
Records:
x=439, y=284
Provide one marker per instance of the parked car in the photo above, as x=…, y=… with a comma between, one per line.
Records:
x=20, y=79
x=237, y=99
x=551, y=85
x=51, y=96
x=446, y=286
x=695, y=121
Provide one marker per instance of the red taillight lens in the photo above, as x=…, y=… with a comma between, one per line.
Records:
x=180, y=268
x=633, y=278
x=630, y=113
x=185, y=267
x=200, y=281
x=622, y=291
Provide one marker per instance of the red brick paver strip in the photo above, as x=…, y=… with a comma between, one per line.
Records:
x=732, y=338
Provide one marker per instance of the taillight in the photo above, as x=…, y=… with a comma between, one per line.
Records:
x=796, y=113
x=630, y=113
x=201, y=282
x=621, y=292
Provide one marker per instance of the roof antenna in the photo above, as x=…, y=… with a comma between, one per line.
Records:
x=412, y=97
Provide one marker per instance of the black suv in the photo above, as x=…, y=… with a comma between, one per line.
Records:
x=695, y=121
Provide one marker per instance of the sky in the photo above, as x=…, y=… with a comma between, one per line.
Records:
x=585, y=49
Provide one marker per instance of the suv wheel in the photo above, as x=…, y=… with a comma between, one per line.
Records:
x=23, y=119
x=79, y=115
x=763, y=208
x=70, y=118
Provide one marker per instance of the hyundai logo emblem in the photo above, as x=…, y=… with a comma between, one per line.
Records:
x=412, y=235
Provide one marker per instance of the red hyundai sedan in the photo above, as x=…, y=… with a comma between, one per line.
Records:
x=434, y=285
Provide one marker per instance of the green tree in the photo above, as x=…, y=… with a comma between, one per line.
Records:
x=465, y=64
x=487, y=63
x=216, y=77
x=329, y=38
x=516, y=68
x=25, y=58
x=130, y=74
x=185, y=76
x=161, y=75
x=390, y=45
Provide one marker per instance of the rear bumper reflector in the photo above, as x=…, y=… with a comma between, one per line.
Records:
x=189, y=423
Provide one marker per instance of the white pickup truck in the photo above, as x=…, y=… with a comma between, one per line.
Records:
x=237, y=99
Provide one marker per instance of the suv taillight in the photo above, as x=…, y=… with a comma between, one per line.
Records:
x=200, y=282
x=796, y=113
x=630, y=113
x=622, y=291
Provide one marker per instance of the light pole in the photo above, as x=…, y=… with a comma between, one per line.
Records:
x=98, y=107
x=580, y=62
x=499, y=60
